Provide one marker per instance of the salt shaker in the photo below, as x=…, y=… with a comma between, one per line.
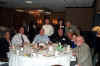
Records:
x=17, y=52
x=56, y=53
x=68, y=48
x=50, y=48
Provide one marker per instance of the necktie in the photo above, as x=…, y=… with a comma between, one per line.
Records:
x=22, y=40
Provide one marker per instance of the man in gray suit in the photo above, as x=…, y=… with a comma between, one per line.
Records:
x=82, y=51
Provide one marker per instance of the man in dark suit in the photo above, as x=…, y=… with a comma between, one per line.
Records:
x=4, y=45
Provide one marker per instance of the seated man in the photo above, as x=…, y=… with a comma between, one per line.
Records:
x=20, y=38
x=41, y=38
x=82, y=51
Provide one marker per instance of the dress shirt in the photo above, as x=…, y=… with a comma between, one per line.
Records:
x=19, y=39
x=49, y=30
x=41, y=39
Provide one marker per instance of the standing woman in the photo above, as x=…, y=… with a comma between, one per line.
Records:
x=61, y=24
x=48, y=28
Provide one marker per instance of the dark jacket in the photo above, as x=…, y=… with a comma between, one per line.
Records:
x=57, y=38
x=97, y=44
x=4, y=47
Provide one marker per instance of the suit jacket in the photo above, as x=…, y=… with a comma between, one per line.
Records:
x=83, y=55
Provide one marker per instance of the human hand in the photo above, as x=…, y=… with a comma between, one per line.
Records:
x=25, y=43
x=73, y=54
x=78, y=64
x=11, y=46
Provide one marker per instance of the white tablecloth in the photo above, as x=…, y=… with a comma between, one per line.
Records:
x=15, y=60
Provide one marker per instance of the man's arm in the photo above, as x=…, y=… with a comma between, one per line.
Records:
x=84, y=55
x=35, y=39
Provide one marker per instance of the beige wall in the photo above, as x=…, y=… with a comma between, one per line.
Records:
x=82, y=17
x=9, y=17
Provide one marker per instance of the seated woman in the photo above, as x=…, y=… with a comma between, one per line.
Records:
x=41, y=38
x=59, y=37
x=4, y=44
x=20, y=38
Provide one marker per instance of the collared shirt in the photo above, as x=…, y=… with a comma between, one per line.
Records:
x=41, y=39
x=19, y=39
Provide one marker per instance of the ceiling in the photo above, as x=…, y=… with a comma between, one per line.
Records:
x=54, y=5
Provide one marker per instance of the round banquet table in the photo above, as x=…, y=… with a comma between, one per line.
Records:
x=16, y=60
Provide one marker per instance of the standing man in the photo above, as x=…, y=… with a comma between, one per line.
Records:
x=69, y=28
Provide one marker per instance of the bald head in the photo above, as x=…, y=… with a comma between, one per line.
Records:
x=42, y=32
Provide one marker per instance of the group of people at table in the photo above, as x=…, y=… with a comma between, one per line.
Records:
x=68, y=34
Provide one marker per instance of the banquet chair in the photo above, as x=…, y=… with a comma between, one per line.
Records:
x=3, y=62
